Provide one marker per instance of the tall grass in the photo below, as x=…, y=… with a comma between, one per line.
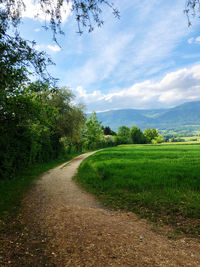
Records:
x=161, y=182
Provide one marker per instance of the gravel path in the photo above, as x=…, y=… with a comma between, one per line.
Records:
x=81, y=232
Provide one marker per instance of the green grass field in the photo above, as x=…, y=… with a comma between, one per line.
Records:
x=160, y=182
x=189, y=139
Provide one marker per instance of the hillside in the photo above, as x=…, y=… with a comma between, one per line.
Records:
x=185, y=115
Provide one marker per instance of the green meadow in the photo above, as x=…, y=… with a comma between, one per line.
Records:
x=159, y=182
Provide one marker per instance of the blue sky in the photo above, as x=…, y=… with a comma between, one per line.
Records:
x=147, y=59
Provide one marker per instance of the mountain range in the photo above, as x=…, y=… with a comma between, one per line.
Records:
x=185, y=115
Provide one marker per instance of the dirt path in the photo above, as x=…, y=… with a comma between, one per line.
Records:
x=80, y=232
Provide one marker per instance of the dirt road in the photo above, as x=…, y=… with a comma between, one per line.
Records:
x=79, y=231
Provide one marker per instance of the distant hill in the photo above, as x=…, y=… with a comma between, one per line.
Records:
x=187, y=114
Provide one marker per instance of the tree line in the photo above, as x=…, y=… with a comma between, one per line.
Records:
x=100, y=136
x=40, y=123
x=134, y=135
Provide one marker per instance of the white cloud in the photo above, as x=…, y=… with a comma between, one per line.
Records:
x=37, y=30
x=54, y=48
x=197, y=39
x=42, y=47
x=33, y=10
x=194, y=40
x=138, y=51
x=175, y=88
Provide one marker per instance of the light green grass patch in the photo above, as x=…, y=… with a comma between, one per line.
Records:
x=161, y=182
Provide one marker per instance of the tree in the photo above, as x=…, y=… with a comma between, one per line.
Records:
x=37, y=124
x=108, y=131
x=124, y=131
x=87, y=13
x=192, y=9
x=26, y=131
x=108, y=140
x=19, y=60
x=150, y=134
x=123, y=135
x=158, y=139
x=18, y=57
x=69, y=120
x=137, y=135
x=34, y=117
x=78, y=119
x=93, y=132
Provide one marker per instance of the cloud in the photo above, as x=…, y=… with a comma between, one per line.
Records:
x=144, y=47
x=54, y=48
x=100, y=66
x=33, y=10
x=174, y=88
x=194, y=40
x=197, y=39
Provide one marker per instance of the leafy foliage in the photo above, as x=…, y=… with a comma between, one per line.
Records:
x=158, y=139
x=93, y=133
x=87, y=13
x=33, y=121
x=123, y=135
x=134, y=135
x=191, y=9
x=137, y=135
x=124, y=131
x=18, y=57
x=150, y=134
x=108, y=131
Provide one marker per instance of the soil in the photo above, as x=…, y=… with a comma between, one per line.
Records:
x=61, y=225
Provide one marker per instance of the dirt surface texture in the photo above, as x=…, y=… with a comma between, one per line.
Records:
x=79, y=231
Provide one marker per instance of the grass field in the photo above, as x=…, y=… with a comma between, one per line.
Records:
x=160, y=182
x=189, y=139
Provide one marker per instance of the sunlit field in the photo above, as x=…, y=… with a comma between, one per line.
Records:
x=161, y=182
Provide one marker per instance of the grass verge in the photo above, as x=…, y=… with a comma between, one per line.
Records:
x=159, y=182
